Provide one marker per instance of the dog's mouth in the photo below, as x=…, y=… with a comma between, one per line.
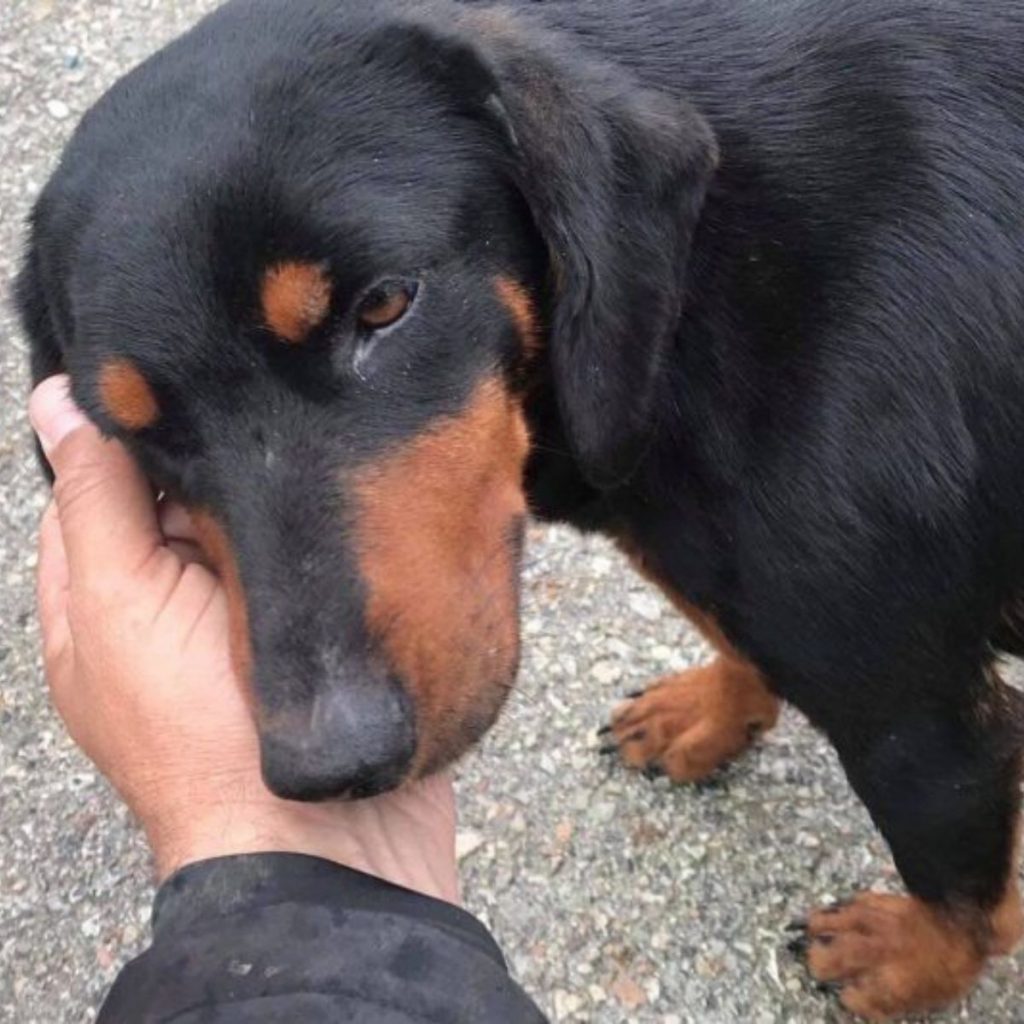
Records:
x=367, y=730
x=380, y=649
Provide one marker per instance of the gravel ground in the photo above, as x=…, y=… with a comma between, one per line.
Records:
x=616, y=899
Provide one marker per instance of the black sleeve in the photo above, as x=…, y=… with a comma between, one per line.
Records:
x=286, y=938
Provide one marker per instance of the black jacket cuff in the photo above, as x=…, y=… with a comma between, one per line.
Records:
x=284, y=937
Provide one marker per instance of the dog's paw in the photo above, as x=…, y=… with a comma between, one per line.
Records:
x=688, y=725
x=889, y=956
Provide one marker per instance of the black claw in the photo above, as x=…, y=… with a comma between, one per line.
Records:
x=634, y=694
x=826, y=939
x=834, y=908
x=604, y=730
x=797, y=925
x=798, y=947
x=829, y=988
x=608, y=748
x=652, y=772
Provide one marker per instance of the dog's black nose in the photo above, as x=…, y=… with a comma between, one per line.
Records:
x=353, y=741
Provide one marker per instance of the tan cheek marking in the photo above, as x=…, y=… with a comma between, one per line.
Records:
x=296, y=298
x=432, y=535
x=520, y=306
x=126, y=396
x=217, y=548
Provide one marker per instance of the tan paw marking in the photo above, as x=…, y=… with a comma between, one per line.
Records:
x=688, y=725
x=890, y=956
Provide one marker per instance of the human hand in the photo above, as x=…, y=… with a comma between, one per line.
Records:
x=135, y=646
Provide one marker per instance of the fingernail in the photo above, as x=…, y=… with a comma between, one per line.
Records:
x=53, y=413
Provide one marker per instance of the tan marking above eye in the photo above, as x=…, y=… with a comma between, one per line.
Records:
x=126, y=396
x=296, y=298
x=385, y=306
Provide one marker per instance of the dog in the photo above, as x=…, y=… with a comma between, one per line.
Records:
x=739, y=285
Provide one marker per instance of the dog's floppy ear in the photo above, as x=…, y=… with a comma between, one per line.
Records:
x=615, y=177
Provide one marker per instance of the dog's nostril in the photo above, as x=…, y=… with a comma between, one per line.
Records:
x=355, y=741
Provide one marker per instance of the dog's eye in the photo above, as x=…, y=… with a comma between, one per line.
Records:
x=385, y=305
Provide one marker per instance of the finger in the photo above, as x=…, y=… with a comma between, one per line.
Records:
x=58, y=640
x=176, y=522
x=180, y=536
x=107, y=513
x=52, y=589
x=53, y=412
x=188, y=553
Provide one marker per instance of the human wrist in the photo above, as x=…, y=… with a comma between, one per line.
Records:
x=407, y=846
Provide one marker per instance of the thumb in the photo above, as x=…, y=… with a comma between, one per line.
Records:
x=53, y=413
x=105, y=504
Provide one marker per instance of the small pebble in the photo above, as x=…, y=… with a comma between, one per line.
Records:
x=606, y=672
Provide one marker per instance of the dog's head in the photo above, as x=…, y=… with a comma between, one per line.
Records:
x=302, y=262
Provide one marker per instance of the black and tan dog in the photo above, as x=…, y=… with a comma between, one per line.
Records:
x=739, y=284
